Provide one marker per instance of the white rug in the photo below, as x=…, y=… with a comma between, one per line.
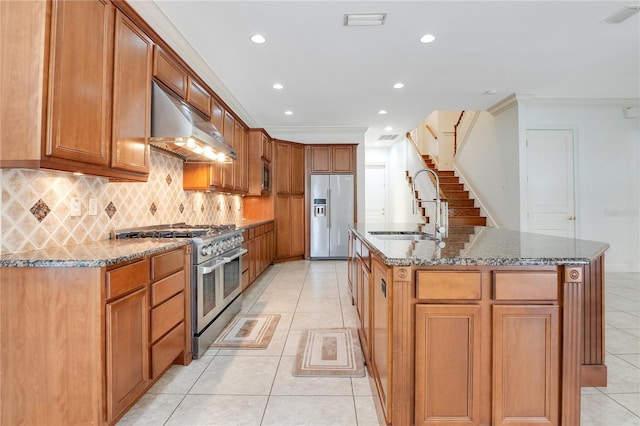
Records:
x=329, y=352
x=247, y=331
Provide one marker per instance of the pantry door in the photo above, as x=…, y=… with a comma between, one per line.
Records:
x=550, y=182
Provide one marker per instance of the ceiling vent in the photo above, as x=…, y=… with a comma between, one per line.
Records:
x=623, y=14
x=364, y=19
x=387, y=137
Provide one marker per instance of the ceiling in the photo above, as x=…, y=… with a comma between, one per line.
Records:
x=336, y=79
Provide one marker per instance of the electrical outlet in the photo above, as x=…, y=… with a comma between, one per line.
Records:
x=93, y=207
x=76, y=209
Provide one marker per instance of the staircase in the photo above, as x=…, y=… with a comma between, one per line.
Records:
x=462, y=210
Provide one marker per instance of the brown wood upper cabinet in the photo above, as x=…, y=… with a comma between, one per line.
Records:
x=85, y=121
x=133, y=53
x=260, y=152
x=333, y=159
x=168, y=70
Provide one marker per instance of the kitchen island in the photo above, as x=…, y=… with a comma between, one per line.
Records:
x=481, y=326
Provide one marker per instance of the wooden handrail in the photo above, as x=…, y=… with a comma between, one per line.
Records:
x=433, y=180
x=455, y=134
x=435, y=136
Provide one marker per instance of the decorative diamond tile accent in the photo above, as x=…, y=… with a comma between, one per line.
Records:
x=23, y=189
x=110, y=209
x=153, y=209
x=40, y=210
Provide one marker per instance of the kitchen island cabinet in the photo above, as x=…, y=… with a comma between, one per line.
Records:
x=93, y=326
x=488, y=334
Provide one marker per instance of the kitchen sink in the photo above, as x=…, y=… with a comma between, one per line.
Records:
x=403, y=235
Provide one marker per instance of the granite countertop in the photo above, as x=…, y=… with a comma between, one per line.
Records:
x=101, y=253
x=246, y=223
x=467, y=245
x=92, y=254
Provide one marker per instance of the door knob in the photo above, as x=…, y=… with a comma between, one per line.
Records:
x=572, y=218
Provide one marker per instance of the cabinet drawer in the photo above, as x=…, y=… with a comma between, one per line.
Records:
x=363, y=252
x=167, y=287
x=463, y=285
x=127, y=278
x=167, y=349
x=525, y=285
x=167, y=263
x=164, y=317
x=251, y=233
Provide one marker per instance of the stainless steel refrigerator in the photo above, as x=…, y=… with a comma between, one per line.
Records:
x=331, y=213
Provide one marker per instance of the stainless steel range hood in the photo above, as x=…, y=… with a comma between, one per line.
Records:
x=178, y=128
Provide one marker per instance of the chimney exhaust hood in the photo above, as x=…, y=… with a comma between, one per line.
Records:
x=178, y=128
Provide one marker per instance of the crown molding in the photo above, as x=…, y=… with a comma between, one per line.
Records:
x=317, y=134
x=167, y=30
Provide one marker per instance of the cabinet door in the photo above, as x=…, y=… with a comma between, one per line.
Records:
x=265, y=147
x=133, y=55
x=79, y=119
x=381, y=337
x=297, y=169
x=170, y=73
x=240, y=165
x=320, y=159
x=364, y=307
x=283, y=225
x=283, y=168
x=198, y=97
x=297, y=225
x=525, y=365
x=228, y=133
x=127, y=350
x=342, y=159
x=244, y=186
x=447, y=375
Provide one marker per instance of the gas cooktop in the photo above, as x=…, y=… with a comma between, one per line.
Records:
x=174, y=230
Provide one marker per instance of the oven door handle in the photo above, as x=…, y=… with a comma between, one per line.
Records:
x=235, y=256
x=209, y=269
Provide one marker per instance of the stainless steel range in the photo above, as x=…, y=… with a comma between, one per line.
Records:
x=216, y=277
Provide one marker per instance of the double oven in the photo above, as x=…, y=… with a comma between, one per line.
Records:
x=216, y=287
x=216, y=276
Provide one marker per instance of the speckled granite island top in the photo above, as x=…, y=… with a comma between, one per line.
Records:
x=467, y=245
x=92, y=254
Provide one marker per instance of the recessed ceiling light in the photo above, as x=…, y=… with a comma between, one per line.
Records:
x=427, y=38
x=278, y=86
x=382, y=112
x=388, y=128
x=364, y=19
x=288, y=113
x=258, y=39
x=398, y=86
x=489, y=92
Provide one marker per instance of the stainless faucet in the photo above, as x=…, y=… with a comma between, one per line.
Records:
x=438, y=220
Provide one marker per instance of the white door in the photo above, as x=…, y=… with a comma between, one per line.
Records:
x=375, y=193
x=550, y=182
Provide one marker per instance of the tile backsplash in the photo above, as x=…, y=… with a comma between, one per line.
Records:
x=37, y=205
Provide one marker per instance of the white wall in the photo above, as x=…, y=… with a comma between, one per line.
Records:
x=607, y=148
x=488, y=164
x=400, y=203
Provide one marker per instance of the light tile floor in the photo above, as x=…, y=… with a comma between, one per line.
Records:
x=255, y=387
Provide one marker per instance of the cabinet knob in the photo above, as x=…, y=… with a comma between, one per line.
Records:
x=572, y=218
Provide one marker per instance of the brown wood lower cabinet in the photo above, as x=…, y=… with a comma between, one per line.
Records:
x=260, y=243
x=90, y=340
x=127, y=353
